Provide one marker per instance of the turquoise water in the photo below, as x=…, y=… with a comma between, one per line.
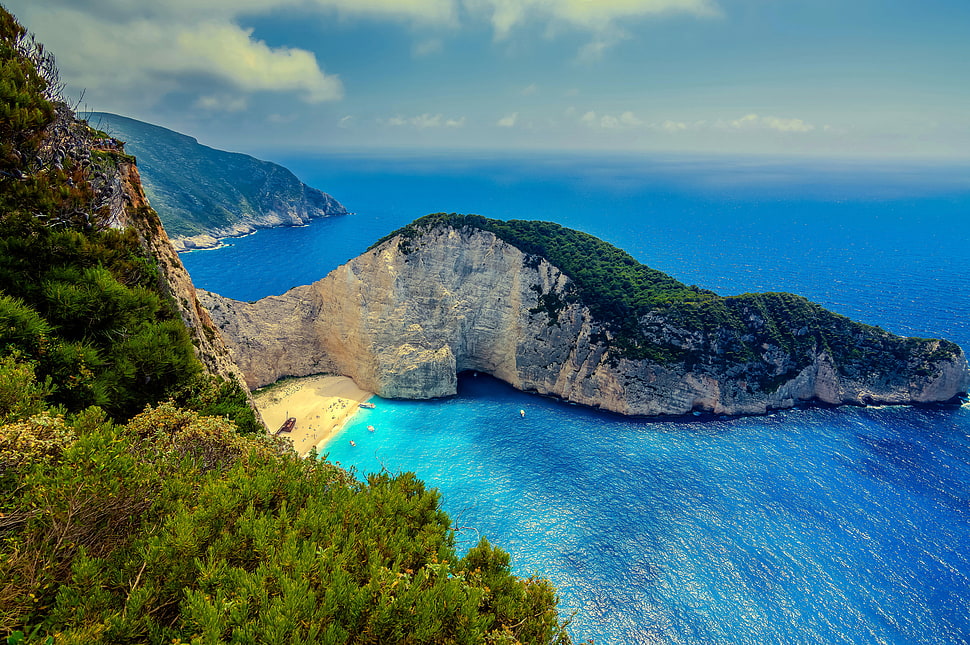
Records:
x=817, y=526
x=810, y=526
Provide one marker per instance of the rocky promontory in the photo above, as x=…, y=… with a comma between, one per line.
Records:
x=203, y=194
x=558, y=312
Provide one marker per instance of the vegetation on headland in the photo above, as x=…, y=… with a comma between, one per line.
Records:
x=132, y=508
x=647, y=314
x=81, y=305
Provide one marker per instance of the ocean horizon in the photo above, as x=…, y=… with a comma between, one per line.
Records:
x=845, y=525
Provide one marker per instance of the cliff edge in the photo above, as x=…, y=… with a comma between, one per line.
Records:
x=450, y=293
x=122, y=204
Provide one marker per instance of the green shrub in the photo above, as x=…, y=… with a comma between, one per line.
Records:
x=175, y=528
x=21, y=395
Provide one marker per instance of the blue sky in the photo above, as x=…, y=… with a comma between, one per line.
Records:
x=884, y=79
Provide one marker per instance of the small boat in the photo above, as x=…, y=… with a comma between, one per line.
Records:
x=370, y=428
x=288, y=425
x=368, y=405
x=353, y=443
x=522, y=413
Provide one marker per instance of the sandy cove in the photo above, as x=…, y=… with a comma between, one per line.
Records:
x=320, y=404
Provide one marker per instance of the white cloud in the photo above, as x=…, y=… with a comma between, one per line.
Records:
x=749, y=120
x=747, y=123
x=138, y=52
x=230, y=53
x=222, y=103
x=594, y=50
x=134, y=53
x=504, y=15
x=787, y=125
x=144, y=60
x=610, y=122
x=530, y=90
x=424, y=121
x=630, y=120
x=673, y=126
x=508, y=121
x=595, y=16
x=424, y=11
x=755, y=121
x=346, y=122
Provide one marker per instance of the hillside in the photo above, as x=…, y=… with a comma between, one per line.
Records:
x=202, y=193
x=557, y=311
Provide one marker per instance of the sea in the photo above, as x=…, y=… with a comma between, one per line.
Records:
x=814, y=525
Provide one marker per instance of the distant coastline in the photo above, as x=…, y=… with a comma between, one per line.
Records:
x=188, y=244
x=203, y=194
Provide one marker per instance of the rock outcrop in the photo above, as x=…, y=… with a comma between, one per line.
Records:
x=408, y=315
x=109, y=194
x=130, y=208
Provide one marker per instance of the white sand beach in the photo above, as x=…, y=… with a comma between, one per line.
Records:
x=320, y=404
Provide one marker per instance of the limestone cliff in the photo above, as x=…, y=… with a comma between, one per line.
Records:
x=405, y=317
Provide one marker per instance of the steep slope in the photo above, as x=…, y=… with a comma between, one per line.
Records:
x=93, y=299
x=453, y=293
x=202, y=193
x=85, y=256
x=130, y=209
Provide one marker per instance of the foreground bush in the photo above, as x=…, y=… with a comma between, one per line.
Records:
x=176, y=528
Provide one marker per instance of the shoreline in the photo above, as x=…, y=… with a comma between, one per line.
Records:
x=321, y=405
x=217, y=239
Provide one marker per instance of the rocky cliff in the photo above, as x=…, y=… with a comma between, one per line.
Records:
x=443, y=296
x=119, y=193
x=131, y=209
x=203, y=194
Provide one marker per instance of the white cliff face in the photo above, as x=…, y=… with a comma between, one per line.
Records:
x=404, y=318
x=400, y=325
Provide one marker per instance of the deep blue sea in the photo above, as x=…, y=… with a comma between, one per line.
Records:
x=810, y=526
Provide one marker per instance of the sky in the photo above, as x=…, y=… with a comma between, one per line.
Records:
x=869, y=79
